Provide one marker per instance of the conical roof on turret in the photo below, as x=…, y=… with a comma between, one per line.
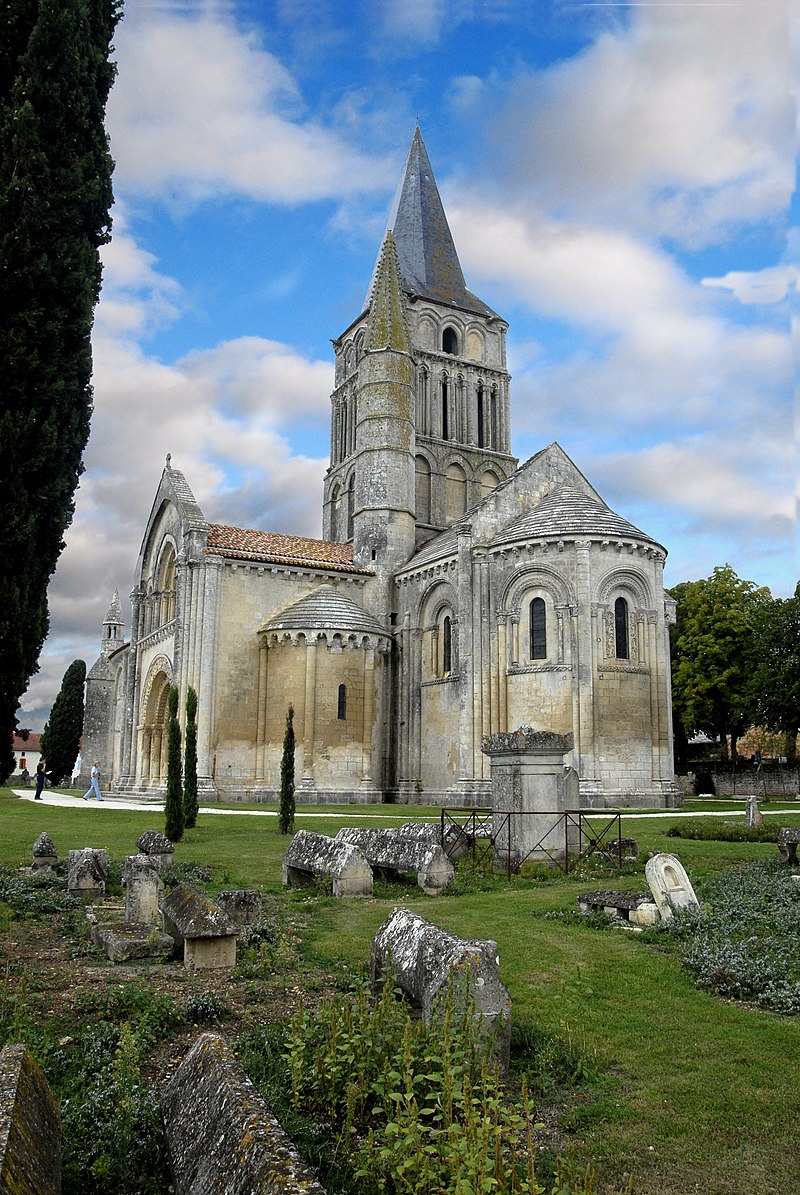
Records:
x=114, y=615
x=426, y=252
x=387, y=326
x=325, y=608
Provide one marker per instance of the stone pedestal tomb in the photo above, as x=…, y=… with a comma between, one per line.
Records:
x=531, y=789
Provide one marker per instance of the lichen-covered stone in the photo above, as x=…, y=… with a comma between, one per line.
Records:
x=242, y=906
x=44, y=847
x=392, y=850
x=202, y=932
x=122, y=942
x=30, y=1127
x=152, y=842
x=671, y=887
x=87, y=871
x=421, y=958
x=144, y=889
x=310, y=855
x=222, y=1138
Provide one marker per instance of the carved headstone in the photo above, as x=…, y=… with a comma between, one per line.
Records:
x=143, y=890
x=45, y=855
x=222, y=1139
x=670, y=885
x=30, y=1127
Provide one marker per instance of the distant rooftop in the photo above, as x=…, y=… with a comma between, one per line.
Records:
x=271, y=548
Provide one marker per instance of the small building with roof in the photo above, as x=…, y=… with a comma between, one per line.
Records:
x=454, y=594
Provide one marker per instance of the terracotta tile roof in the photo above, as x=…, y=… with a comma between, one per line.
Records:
x=32, y=743
x=267, y=546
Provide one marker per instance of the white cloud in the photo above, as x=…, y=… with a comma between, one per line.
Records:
x=200, y=108
x=770, y=285
x=680, y=123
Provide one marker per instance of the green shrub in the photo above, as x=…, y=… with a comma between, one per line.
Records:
x=712, y=830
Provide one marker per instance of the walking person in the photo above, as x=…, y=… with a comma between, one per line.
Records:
x=40, y=777
x=94, y=787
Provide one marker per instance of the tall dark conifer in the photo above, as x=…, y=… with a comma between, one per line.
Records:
x=61, y=737
x=287, y=807
x=190, y=807
x=173, y=805
x=55, y=197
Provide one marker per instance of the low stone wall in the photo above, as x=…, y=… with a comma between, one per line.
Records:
x=222, y=1138
x=781, y=784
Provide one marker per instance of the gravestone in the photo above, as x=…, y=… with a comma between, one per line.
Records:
x=311, y=855
x=144, y=889
x=87, y=871
x=30, y=1127
x=753, y=815
x=421, y=959
x=242, y=906
x=390, y=850
x=45, y=855
x=222, y=1138
x=531, y=790
x=670, y=885
x=157, y=847
x=203, y=934
x=788, y=839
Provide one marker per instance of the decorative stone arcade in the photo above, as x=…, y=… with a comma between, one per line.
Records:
x=531, y=789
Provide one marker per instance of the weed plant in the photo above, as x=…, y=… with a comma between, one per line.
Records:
x=384, y=1102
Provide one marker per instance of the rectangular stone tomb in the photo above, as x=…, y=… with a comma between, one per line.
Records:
x=635, y=907
x=422, y=959
x=144, y=890
x=315, y=855
x=30, y=1127
x=222, y=1139
x=390, y=850
x=457, y=839
x=122, y=942
x=203, y=933
x=242, y=906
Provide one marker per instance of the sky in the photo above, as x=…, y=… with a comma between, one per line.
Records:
x=619, y=181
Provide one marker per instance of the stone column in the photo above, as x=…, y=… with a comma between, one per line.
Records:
x=466, y=679
x=261, y=716
x=307, y=780
x=369, y=716
x=128, y=767
x=205, y=673
x=584, y=662
x=530, y=792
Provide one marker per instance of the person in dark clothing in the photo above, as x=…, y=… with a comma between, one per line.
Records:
x=40, y=770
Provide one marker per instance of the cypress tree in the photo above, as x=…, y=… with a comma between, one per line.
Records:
x=55, y=197
x=61, y=737
x=287, y=776
x=190, y=807
x=173, y=806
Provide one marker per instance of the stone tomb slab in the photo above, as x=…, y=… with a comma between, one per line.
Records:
x=392, y=851
x=202, y=932
x=30, y=1127
x=122, y=942
x=312, y=855
x=222, y=1138
x=671, y=887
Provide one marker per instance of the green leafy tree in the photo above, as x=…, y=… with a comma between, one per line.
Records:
x=55, y=198
x=190, y=806
x=173, y=806
x=287, y=776
x=714, y=652
x=61, y=737
x=777, y=673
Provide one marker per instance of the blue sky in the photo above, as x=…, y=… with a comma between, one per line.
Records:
x=619, y=180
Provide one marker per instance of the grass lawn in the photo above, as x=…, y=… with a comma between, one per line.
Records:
x=683, y=1090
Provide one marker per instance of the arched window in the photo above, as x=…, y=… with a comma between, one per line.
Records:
x=447, y=646
x=335, y=499
x=481, y=417
x=621, y=628
x=449, y=341
x=422, y=477
x=341, y=703
x=455, y=493
x=538, y=629
x=351, y=501
x=445, y=396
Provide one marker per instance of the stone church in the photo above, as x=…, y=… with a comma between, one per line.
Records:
x=455, y=593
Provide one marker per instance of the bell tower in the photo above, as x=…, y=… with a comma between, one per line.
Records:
x=460, y=410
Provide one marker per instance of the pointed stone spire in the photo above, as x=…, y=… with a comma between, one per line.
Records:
x=113, y=626
x=426, y=252
x=387, y=326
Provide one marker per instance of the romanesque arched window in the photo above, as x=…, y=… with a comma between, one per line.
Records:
x=481, y=416
x=422, y=478
x=335, y=499
x=455, y=493
x=447, y=646
x=444, y=395
x=621, y=649
x=351, y=502
x=450, y=341
x=538, y=629
x=341, y=703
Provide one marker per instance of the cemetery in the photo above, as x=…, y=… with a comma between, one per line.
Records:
x=182, y=977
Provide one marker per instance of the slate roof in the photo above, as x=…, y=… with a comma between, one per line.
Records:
x=567, y=512
x=426, y=252
x=325, y=608
x=237, y=543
